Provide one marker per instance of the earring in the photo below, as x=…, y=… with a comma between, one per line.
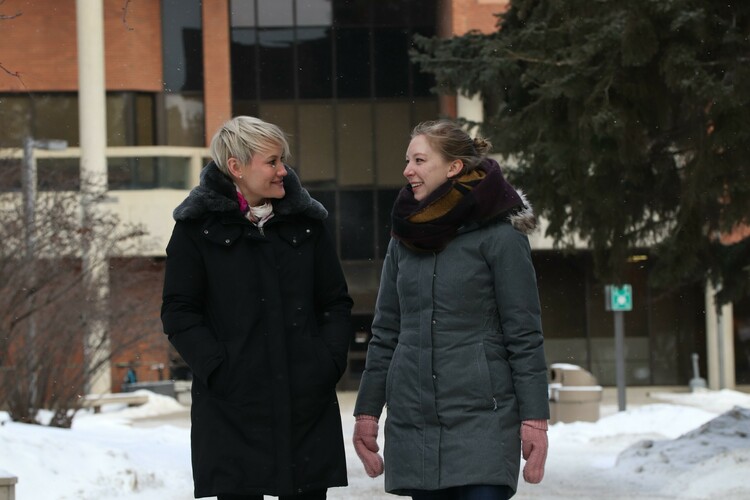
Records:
x=240, y=177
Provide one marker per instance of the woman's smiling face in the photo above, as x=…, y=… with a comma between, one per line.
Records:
x=262, y=178
x=426, y=169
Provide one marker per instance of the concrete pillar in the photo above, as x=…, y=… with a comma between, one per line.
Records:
x=719, y=343
x=7, y=485
x=93, y=170
x=470, y=108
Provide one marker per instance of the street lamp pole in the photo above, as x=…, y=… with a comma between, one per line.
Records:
x=29, y=188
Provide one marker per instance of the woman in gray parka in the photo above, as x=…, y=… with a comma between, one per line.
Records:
x=457, y=349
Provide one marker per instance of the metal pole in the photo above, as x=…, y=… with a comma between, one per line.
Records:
x=620, y=358
x=29, y=188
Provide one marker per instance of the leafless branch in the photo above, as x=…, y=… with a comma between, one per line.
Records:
x=125, y=15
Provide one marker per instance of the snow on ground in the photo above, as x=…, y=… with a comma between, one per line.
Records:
x=685, y=445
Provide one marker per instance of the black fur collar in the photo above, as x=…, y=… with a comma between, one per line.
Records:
x=216, y=193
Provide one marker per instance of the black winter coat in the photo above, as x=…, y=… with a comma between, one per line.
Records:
x=263, y=321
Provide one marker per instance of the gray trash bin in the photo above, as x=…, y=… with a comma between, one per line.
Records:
x=164, y=387
x=574, y=394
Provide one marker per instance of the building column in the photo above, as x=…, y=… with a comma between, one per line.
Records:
x=719, y=343
x=92, y=112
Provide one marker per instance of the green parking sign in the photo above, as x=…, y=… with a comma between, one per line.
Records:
x=619, y=298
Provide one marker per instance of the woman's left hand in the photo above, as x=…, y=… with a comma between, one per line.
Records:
x=534, y=447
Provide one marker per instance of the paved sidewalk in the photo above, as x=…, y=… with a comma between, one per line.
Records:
x=635, y=396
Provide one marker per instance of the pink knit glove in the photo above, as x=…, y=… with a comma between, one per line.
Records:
x=534, y=447
x=366, y=444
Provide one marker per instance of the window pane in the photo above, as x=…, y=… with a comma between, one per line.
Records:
x=351, y=12
x=314, y=13
x=144, y=120
x=328, y=199
x=315, y=63
x=15, y=117
x=425, y=109
x=392, y=136
x=276, y=63
x=244, y=59
x=316, y=153
x=423, y=13
x=58, y=174
x=136, y=173
x=185, y=125
x=422, y=82
x=282, y=114
x=391, y=63
x=60, y=112
x=242, y=13
x=391, y=13
x=117, y=134
x=355, y=144
x=275, y=13
x=353, y=62
x=183, y=45
x=356, y=225
x=386, y=199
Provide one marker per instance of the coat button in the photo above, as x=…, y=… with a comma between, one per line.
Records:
x=434, y=322
x=307, y=231
x=294, y=240
x=227, y=241
x=205, y=231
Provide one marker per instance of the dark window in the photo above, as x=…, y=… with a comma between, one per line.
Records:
x=244, y=58
x=391, y=13
x=356, y=225
x=277, y=63
x=423, y=13
x=328, y=200
x=386, y=198
x=182, y=36
x=353, y=62
x=351, y=12
x=315, y=63
x=391, y=62
x=422, y=82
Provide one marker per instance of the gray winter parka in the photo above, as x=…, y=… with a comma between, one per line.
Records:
x=457, y=356
x=263, y=321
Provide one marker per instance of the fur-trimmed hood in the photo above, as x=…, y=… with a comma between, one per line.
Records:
x=216, y=193
x=523, y=218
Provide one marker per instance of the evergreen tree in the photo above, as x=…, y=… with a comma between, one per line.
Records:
x=628, y=124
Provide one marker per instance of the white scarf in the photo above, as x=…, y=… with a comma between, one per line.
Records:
x=261, y=214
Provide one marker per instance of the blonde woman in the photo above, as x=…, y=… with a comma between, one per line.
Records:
x=256, y=303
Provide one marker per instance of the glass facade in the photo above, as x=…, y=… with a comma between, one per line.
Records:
x=182, y=47
x=131, y=118
x=336, y=76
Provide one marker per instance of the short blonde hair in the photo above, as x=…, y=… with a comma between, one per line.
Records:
x=242, y=137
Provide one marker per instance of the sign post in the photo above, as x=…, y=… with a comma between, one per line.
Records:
x=619, y=299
